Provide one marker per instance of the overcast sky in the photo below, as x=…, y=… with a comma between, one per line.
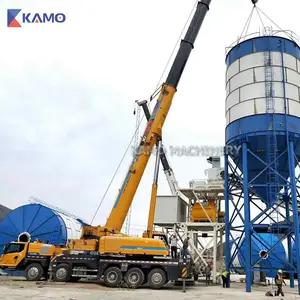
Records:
x=67, y=95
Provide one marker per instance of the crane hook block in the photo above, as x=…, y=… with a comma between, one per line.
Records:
x=254, y=2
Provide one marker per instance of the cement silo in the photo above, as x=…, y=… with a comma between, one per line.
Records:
x=262, y=144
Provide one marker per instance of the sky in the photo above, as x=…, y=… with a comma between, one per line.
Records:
x=67, y=94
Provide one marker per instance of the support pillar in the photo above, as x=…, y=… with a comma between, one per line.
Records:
x=291, y=156
x=221, y=250
x=227, y=217
x=289, y=238
x=247, y=219
x=215, y=256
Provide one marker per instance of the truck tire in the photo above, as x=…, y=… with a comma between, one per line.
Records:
x=62, y=273
x=34, y=272
x=112, y=277
x=134, y=277
x=157, y=278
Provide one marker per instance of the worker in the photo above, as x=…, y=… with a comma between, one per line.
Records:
x=173, y=242
x=36, y=240
x=279, y=281
x=225, y=278
x=185, y=246
x=207, y=272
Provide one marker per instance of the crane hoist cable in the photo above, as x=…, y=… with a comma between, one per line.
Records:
x=246, y=27
x=249, y=21
x=154, y=94
x=259, y=12
x=114, y=175
x=261, y=20
x=288, y=34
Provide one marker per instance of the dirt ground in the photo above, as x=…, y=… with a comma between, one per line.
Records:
x=16, y=288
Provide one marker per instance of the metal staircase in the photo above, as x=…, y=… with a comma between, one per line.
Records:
x=271, y=151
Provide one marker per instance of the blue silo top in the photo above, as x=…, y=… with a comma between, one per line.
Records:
x=261, y=44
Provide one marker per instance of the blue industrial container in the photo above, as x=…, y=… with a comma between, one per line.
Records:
x=261, y=243
x=262, y=148
x=256, y=104
x=38, y=221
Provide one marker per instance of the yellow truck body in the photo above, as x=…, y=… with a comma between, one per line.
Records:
x=32, y=258
x=132, y=246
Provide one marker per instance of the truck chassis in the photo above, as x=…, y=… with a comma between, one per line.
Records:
x=118, y=271
x=34, y=266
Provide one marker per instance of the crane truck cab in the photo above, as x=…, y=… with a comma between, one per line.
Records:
x=32, y=258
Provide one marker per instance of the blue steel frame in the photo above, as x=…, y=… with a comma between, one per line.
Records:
x=238, y=188
x=238, y=194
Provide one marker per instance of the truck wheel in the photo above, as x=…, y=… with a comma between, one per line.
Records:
x=134, y=277
x=34, y=272
x=112, y=277
x=157, y=278
x=62, y=273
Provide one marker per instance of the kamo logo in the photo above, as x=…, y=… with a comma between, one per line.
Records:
x=12, y=15
x=11, y=18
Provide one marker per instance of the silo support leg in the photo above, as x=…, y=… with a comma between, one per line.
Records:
x=289, y=238
x=227, y=218
x=215, y=255
x=247, y=219
x=295, y=207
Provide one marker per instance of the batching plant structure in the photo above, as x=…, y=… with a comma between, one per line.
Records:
x=262, y=151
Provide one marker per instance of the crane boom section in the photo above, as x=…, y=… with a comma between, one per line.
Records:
x=154, y=127
x=151, y=135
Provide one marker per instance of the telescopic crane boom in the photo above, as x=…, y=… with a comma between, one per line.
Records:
x=172, y=181
x=153, y=131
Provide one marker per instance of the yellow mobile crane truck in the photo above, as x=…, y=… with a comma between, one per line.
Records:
x=107, y=253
